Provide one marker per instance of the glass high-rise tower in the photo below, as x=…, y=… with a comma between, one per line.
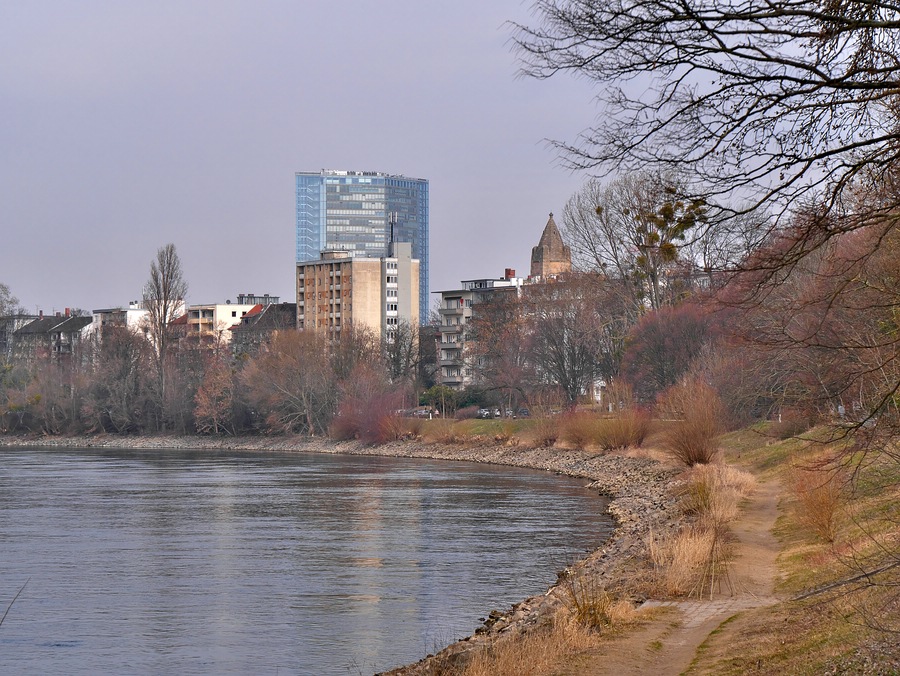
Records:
x=359, y=212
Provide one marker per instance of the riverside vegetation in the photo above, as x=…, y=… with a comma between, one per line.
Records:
x=677, y=512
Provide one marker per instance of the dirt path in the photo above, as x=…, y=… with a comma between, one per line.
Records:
x=667, y=645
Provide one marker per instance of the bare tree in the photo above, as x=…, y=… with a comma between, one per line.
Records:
x=633, y=230
x=569, y=337
x=164, y=295
x=779, y=100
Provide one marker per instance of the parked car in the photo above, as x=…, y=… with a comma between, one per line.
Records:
x=522, y=413
x=483, y=413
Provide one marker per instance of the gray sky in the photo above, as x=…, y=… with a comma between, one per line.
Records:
x=127, y=125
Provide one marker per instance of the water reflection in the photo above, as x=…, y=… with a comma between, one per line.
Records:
x=228, y=563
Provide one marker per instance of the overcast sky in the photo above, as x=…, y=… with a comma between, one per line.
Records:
x=128, y=125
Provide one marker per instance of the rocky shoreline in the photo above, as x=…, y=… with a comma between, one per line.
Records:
x=639, y=490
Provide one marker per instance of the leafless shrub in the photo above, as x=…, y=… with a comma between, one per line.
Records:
x=793, y=422
x=691, y=438
x=580, y=429
x=819, y=493
x=545, y=431
x=466, y=413
x=627, y=429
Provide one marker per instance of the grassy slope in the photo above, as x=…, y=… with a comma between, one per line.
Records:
x=825, y=633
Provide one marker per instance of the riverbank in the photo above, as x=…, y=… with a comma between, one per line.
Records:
x=639, y=490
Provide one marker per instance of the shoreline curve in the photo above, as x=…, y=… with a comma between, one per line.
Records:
x=638, y=490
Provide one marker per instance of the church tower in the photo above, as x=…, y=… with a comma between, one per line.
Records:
x=551, y=257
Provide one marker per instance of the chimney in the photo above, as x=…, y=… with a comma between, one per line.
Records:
x=40, y=314
x=67, y=312
x=509, y=274
x=58, y=314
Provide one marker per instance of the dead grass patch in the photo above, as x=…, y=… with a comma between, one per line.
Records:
x=535, y=653
x=819, y=494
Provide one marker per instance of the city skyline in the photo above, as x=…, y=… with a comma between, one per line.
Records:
x=130, y=126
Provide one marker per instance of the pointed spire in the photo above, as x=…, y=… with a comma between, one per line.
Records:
x=551, y=256
x=551, y=237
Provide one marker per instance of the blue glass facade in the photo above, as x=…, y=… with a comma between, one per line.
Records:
x=353, y=210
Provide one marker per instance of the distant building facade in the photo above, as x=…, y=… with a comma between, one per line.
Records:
x=212, y=322
x=550, y=260
x=133, y=318
x=259, y=326
x=9, y=324
x=338, y=290
x=456, y=311
x=361, y=212
x=54, y=337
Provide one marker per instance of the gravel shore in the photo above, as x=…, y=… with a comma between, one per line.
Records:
x=639, y=490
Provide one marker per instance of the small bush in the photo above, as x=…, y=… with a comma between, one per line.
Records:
x=690, y=563
x=593, y=607
x=819, y=494
x=546, y=431
x=691, y=439
x=466, y=413
x=580, y=429
x=627, y=429
x=713, y=493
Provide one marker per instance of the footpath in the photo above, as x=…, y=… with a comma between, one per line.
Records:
x=667, y=645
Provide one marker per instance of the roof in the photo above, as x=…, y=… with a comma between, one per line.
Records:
x=551, y=238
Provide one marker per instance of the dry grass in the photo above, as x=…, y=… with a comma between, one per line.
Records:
x=692, y=438
x=593, y=607
x=538, y=652
x=820, y=494
x=689, y=563
x=444, y=431
x=694, y=561
x=628, y=428
x=545, y=431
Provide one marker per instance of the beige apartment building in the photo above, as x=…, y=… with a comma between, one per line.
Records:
x=377, y=293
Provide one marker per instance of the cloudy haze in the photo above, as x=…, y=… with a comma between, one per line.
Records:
x=129, y=125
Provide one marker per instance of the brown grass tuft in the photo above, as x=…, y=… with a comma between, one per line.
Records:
x=819, y=493
x=593, y=607
x=537, y=652
x=691, y=438
x=545, y=431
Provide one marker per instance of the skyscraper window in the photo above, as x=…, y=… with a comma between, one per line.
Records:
x=356, y=211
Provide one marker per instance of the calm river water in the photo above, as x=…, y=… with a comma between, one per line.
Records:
x=214, y=563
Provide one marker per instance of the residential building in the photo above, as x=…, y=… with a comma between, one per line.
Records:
x=134, y=318
x=54, y=337
x=361, y=213
x=211, y=322
x=339, y=289
x=550, y=260
x=456, y=311
x=253, y=299
x=9, y=324
x=259, y=326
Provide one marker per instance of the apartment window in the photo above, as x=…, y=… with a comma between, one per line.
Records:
x=391, y=279
x=234, y=313
x=391, y=307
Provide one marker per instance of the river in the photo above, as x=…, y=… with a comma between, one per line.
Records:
x=142, y=562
